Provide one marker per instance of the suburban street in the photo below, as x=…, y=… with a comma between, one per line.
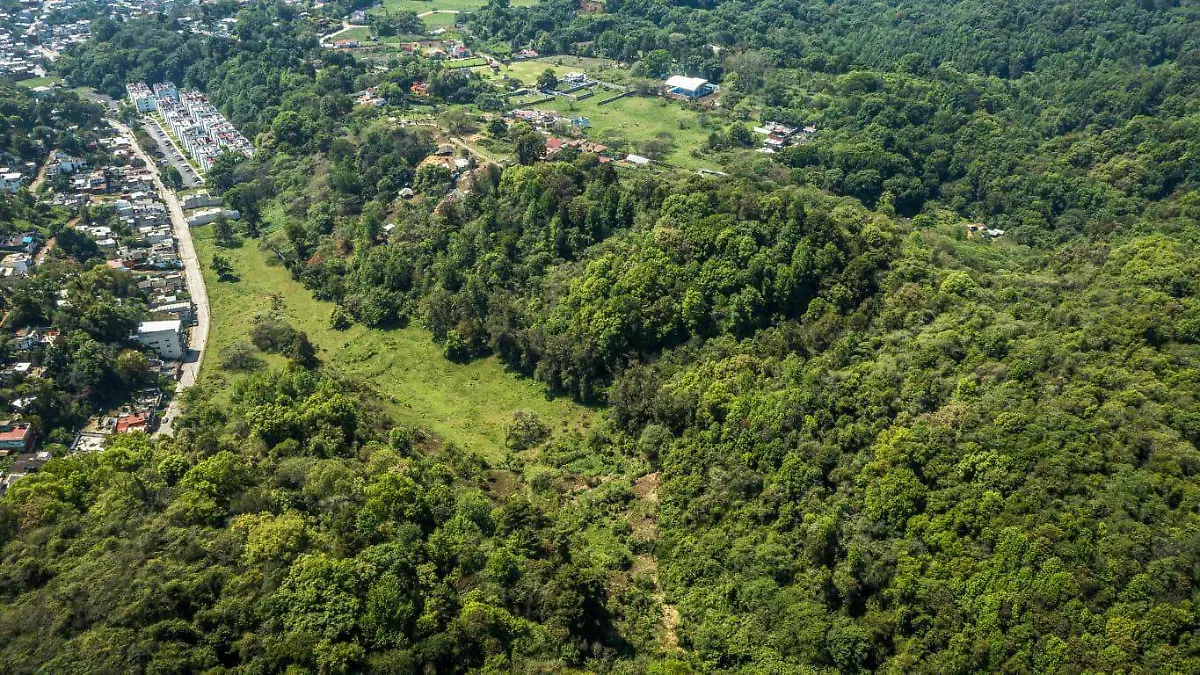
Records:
x=173, y=155
x=198, y=337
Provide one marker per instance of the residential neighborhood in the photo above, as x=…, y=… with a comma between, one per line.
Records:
x=193, y=122
x=126, y=218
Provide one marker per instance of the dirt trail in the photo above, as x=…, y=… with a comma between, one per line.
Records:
x=646, y=489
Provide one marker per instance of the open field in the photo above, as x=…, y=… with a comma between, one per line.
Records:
x=443, y=19
x=468, y=404
x=360, y=33
x=40, y=81
x=528, y=71
x=638, y=119
x=422, y=6
x=471, y=62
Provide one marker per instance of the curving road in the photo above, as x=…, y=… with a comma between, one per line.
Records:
x=198, y=338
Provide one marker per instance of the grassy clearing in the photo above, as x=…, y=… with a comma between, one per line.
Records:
x=527, y=71
x=360, y=33
x=637, y=119
x=442, y=19
x=46, y=81
x=472, y=62
x=422, y=6
x=467, y=404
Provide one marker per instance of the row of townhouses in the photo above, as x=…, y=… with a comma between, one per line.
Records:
x=202, y=130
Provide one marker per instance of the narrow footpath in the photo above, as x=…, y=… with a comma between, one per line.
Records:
x=198, y=338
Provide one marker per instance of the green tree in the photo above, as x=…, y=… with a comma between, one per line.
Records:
x=220, y=265
x=530, y=147
x=172, y=177
x=548, y=80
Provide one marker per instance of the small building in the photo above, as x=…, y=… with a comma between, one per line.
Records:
x=690, y=88
x=184, y=311
x=200, y=200
x=129, y=423
x=166, y=338
x=89, y=441
x=16, y=264
x=16, y=437
x=10, y=181
x=207, y=216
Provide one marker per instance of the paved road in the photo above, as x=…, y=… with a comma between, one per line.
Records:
x=173, y=154
x=198, y=340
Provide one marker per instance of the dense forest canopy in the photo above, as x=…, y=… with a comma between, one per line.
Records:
x=834, y=432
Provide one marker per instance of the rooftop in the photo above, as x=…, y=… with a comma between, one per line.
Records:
x=688, y=83
x=156, y=326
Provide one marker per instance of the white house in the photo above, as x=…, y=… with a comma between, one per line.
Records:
x=164, y=337
x=209, y=215
x=689, y=87
x=200, y=200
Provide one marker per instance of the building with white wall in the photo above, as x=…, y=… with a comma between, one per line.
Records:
x=166, y=338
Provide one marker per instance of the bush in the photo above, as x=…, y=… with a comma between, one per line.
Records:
x=272, y=335
x=340, y=319
x=239, y=356
x=525, y=431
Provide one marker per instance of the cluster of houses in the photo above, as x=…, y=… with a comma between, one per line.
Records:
x=202, y=130
x=777, y=136
x=555, y=145
x=135, y=237
x=546, y=120
x=138, y=414
x=17, y=255
x=34, y=32
x=221, y=28
x=369, y=97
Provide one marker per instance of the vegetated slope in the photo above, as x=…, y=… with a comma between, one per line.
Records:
x=1044, y=120
x=293, y=528
x=994, y=471
x=880, y=445
x=467, y=404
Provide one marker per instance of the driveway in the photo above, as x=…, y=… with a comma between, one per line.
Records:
x=173, y=155
x=198, y=337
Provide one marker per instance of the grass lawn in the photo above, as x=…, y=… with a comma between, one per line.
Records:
x=422, y=6
x=472, y=62
x=40, y=81
x=468, y=404
x=360, y=33
x=638, y=118
x=528, y=71
x=443, y=19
